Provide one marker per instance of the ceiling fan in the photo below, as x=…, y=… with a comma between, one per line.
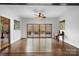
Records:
x=40, y=15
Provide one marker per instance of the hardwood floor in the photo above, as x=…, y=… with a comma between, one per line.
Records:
x=58, y=49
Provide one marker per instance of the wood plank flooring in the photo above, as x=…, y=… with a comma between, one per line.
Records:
x=58, y=49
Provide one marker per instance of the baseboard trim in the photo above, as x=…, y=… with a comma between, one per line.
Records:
x=70, y=44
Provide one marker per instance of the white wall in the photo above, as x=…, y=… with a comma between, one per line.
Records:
x=26, y=21
x=14, y=34
x=71, y=25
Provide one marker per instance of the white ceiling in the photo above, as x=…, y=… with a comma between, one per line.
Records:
x=28, y=10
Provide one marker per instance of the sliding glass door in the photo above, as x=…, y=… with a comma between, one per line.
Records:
x=39, y=31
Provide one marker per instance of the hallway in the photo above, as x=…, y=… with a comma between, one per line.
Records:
x=59, y=48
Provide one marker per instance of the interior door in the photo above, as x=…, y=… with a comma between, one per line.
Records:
x=4, y=32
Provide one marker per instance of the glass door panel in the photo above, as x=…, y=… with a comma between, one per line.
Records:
x=48, y=30
x=30, y=31
x=36, y=30
x=42, y=30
